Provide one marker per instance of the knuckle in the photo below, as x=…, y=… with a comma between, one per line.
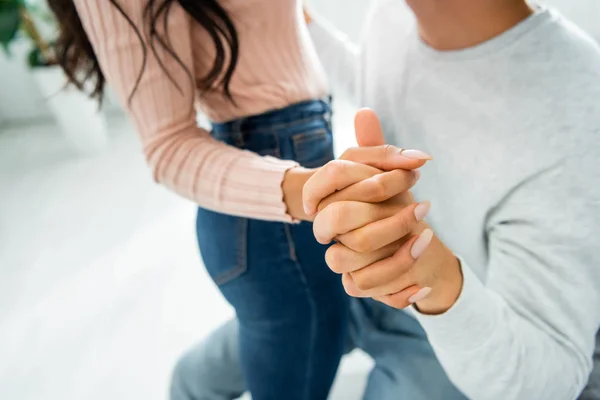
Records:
x=405, y=220
x=318, y=227
x=330, y=221
x=338, y=213
x=347, y=284
x=404, y=263
x=399, y=303
x=307, y=192
x=334, y=168
x=349, y=153
x=334, y=258
x=323, y=204
x=389, y=150
x=348, y=291
x=362, y=280
x=378, y=190
x=361, y=243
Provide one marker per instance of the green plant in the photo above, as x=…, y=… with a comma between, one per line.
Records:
x=17, y=16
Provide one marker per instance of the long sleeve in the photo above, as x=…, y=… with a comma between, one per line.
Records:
x=528, y=331
x=182, y=156
x=340, y=57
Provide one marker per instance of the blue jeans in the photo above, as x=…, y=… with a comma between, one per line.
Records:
x=292, y=310
x=406, y=367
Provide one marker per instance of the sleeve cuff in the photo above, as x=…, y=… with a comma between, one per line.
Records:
x=470, y=322
x=270, y=206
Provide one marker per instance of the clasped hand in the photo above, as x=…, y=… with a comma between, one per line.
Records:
x=383, y=248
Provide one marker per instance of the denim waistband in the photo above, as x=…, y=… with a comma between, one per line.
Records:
x=274, y=118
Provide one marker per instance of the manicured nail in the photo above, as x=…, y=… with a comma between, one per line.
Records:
x=421, y=243
x=420, y=295
x=415, y=154
x=417, y=174
x=422, y=210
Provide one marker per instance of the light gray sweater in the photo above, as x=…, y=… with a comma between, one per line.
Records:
x=514, y=126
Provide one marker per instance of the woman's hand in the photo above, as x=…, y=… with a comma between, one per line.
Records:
x=292, y=186
x=364, y=182
x=366, y=163
x=365, y=170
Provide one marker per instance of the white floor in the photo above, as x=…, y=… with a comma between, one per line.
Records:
x=101, y=285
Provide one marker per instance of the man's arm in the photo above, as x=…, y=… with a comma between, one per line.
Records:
x=526, y=327
x=529, y=331
x=524, y=330
x=338, y=54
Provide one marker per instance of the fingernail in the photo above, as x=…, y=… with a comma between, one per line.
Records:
x=415, y=154
x=420, y=295
x=421, y=243
x=421, y=210
x=417, y=174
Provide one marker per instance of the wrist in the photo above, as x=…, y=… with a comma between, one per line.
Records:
x=292, y=186
x=447, y=285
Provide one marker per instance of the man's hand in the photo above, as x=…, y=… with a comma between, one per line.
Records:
x=373, y=172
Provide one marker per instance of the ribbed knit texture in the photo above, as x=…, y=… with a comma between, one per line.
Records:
x=277, y=67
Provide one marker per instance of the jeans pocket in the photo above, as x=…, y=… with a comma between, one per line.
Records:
x=222, y=240
x=313, y=148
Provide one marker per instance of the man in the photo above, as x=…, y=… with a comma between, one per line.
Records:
x=504, y=95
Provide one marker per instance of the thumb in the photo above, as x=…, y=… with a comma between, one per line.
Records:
x=368, y=128
x=374, y=152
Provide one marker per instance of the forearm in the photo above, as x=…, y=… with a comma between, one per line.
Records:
x=491, y=351
x=339, y=56
x=226, y=179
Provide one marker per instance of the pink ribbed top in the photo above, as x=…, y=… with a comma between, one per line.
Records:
x=278, y=66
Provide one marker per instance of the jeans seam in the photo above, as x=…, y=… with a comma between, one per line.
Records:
x=311, y=301
x=310, y=136
x=241, y=265
x=291, y=245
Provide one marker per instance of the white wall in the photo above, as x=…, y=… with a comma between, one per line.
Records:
x=19, y=97
x=20, y=100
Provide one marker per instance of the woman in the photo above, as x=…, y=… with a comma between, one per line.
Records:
x=250, y=67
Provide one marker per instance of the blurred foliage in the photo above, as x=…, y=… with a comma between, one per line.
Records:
x=21, y=18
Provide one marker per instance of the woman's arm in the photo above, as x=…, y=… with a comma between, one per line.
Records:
x=183, y=156
x=340, y=56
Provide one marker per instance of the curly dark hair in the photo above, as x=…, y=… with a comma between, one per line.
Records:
x=75, y=54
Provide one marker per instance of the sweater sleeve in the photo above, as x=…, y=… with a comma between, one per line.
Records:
x=528, y=330
x=182, y=156
x=340, y=57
